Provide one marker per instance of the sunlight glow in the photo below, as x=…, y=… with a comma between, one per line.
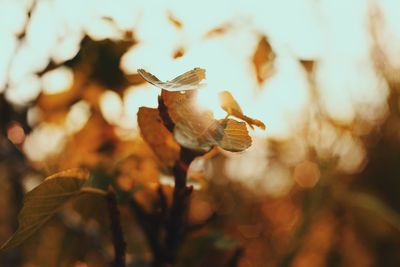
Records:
x=45, y=141
x=111, y=106
x=57, y=81
x=344, y=87
x=77, y=117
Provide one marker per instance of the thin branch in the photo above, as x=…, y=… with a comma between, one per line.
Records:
x=150, y=225
x=176, y=223
x=163, y=202
x=116, y=229
x=234, y=260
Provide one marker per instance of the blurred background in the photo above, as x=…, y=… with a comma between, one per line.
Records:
x=319, y=187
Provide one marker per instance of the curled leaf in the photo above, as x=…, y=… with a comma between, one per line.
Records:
x=229, y=104
x=197, y=129
x=42, y=202
x=193, y=127
x=157, y=136
x=189, y=80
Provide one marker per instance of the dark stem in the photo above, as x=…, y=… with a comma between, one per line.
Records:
x=176, y=221
x=116, y=229
x=234, y=260
x=151, y=226
x=165, y=227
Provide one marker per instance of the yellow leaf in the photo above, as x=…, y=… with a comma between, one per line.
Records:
x=229, y=104
x=236, y=137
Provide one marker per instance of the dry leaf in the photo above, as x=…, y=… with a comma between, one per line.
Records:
x=229, y=104
x=236, y=137
x=196, y=128
x=187, y=81
x=157, y=136
x=263, y=60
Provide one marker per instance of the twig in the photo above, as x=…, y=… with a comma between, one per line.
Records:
x=166, y=227
x=151, y=226
x=116, y=229
x=175, y=227
x=234, y=260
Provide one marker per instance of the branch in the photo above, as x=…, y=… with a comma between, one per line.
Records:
x=234, y=260
x=176, y=221
x=116, y=229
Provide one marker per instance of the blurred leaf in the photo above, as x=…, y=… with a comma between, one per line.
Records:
x=263, y=59
x=42, y=202
x=174, y=20
x=229, y=104
x=157, y=136
x=373, y=204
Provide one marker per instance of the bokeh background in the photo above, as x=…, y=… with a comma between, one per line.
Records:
x=319, y=187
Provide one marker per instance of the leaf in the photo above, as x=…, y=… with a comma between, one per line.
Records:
x=41, y=203
x=157, y=136
x=263, y=60
x=197, y=129
x=198, y=136
x=189, y=80
x=375, y=205
x=229, y=104
x=236, y=137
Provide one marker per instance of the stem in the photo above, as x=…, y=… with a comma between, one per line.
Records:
x=234, y=260
x=116, y=229
x=176, y=222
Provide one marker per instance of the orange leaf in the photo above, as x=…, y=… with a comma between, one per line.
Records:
x=157, y=136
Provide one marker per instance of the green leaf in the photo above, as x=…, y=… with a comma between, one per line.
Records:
x=41, y=203
x=373, y=204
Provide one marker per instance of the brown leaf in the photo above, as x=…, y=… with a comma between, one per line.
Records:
x=263, y=60
x=196, y=128
x=236, y=137
x=229, y=104
x=157, y=136
x=189, y=80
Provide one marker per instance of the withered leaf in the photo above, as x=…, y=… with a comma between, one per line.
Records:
x=189, y=80
x=198, y=129
x=263, y=60
x=42, y=202
x=193, y=127
x=157, y=135
x=236, y=137
x=229, y=104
